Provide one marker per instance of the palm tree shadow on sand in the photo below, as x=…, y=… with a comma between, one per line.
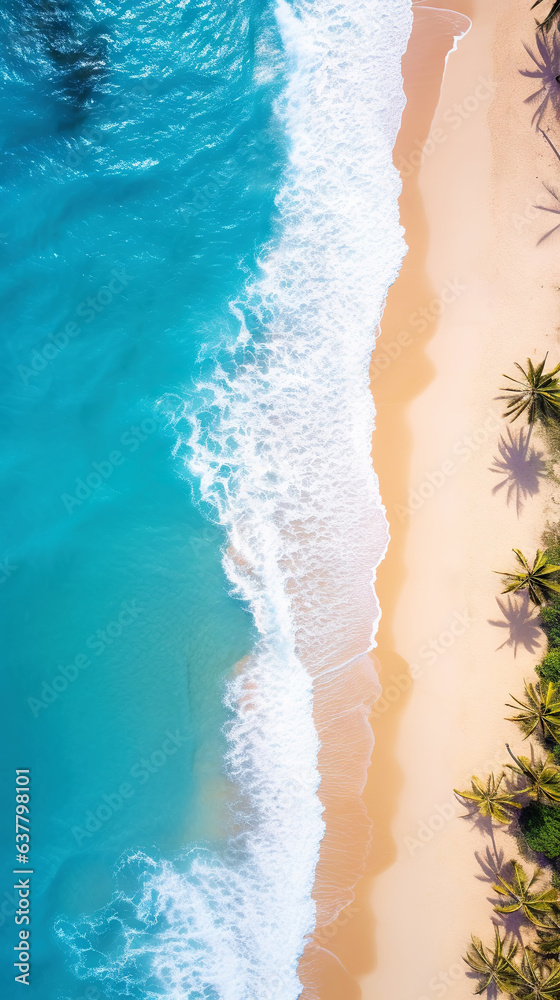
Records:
x=491, y=991
x=485, y=826
x=522, y=620
x=492, y=864
x=521, y=467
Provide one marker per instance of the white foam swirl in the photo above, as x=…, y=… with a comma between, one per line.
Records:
x=281, y=449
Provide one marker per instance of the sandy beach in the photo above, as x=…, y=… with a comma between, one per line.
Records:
x=475, y=294
x=191, y=514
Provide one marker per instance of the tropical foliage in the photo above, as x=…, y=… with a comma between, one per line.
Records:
x=551, y=16
x=542, y=776
x=550, y=618
x=540, y=711
x=537, y=394
x=490, y=801
x=549, y=936
x=529, y=968
x=534, y=579
x=549, y=613
x=494, y=968
x=535, y=979
x=540, y=825
x=518, y=889
x=549, y=667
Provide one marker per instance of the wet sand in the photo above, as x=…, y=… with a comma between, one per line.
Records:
x=474, y=295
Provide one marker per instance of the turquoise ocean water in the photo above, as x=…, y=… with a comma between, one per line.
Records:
x=128, y=149
x=195, y=254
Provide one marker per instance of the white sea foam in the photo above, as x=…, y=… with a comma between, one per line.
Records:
x=280, y=447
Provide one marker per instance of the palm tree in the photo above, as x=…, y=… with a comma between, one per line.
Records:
x=537, y=394
x=533, y=905
x=542, y=776
x=494, y=968
x=549, y=943
x=549, y=19
x=532, y=579
x=540, y=710
x=490, y=801
x=535, y=980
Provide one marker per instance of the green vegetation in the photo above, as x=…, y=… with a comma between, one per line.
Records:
x=551, y=536
x=549, y=936
x=552, y=14
x=549, y=667
x=535, y=979
x=494, y=968
x=525, y=796
x=537, y=394
x=542, y=776
x=540, y=825
x=490, y=801
x=534, y=579
x=540, y=711
x=550, y=617
x=533, y=905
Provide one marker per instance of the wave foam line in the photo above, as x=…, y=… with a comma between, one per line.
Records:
x=279, y=443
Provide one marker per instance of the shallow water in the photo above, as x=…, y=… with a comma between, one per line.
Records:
x=199, y=227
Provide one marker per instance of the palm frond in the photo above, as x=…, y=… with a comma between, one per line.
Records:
x=542, y=776
x=519, y=889
x=490, y=801
x=539, y=711
x=534, y=579
x=494, y=968
x=552, y=14
x=535, y=978
x=536, y=395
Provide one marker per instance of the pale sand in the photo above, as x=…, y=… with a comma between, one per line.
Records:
x=467, y=221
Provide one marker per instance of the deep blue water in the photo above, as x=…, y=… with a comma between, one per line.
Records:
x=139, y=164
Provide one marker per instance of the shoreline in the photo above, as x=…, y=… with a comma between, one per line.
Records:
x=343, y=950
x=452, y=724
x=469, y=227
